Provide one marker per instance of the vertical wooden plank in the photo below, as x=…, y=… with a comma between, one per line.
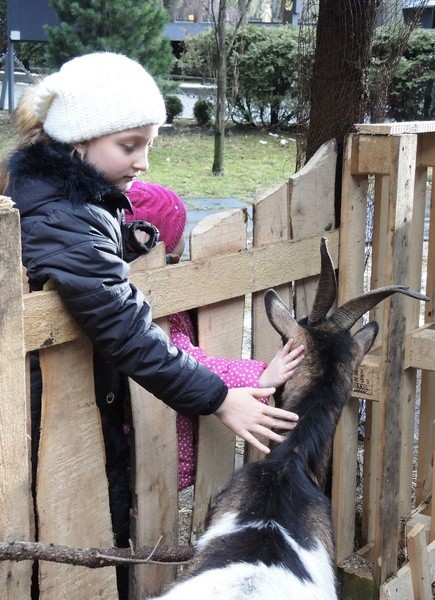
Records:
x=271, y=223
x=432, y=507
x=15, y=497
x=427, y=405
x=418, y=560
x=380, y=224
x=425, y=470
x=220, y=333
x=413, y=278
x=350, y=284
x=380, y=260
x=72, y=495
x=397, y=391
x=312, y=197
x=154, y=470
x=371, y=433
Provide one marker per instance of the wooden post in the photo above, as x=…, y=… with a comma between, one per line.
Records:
x=425, y=468
x=397, y=386
x=15, y=494
x=432, y=512
x=371, y=430
x=154, y=514
x=418, y=560
x=220, y=333
x=312, y=192
x=350, y=284
x=271, y=223
x=72, y=492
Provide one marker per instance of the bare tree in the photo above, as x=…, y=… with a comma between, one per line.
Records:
x=224, y=45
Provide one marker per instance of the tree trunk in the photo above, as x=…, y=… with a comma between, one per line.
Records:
x=221, y=86
x=223, y=50
x=338, y=90
x=219, y=133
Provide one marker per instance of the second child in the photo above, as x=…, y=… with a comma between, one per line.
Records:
x=164, y=209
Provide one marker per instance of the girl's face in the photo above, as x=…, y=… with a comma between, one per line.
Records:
x=120, y=156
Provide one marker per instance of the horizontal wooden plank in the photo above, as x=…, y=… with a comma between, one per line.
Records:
x=46, y=321
x=420, y=348
x=396, y=128
x=372, y=152
x=188, y=285
x=204, y=282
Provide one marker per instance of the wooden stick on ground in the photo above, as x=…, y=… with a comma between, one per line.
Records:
x=93, y=558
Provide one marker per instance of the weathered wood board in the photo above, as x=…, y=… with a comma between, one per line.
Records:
x=210, y=280
x=71, y=485
x=220, y=333
x=154, y=518
x=15, y=499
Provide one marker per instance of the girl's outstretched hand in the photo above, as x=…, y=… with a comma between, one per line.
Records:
x=246, y=417
x=282, y=366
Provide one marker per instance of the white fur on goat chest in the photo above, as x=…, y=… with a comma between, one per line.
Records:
x=257, y=581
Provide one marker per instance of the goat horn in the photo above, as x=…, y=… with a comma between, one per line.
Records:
x=348, y=314
x=327, y=287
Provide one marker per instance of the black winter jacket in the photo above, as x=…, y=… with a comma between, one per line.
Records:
x=71, y=233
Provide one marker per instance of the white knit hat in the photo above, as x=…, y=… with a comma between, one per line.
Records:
x=97, y=94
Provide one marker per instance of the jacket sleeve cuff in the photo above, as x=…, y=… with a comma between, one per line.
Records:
x=217, y=402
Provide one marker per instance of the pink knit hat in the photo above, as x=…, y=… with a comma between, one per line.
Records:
x=161, y=207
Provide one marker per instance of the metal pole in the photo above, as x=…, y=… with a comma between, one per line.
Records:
x=10, y=75
x=5, y=80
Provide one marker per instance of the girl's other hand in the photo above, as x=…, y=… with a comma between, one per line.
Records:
x=246, y=417
x=282, y=366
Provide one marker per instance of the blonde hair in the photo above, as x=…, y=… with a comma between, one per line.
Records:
x=28, y=129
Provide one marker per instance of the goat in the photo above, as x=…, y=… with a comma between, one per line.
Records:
x=269, y=534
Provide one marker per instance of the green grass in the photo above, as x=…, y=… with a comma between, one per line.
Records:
x=182, y=160
x=253, y=161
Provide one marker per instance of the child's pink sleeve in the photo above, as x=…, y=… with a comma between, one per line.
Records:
x=234, y=372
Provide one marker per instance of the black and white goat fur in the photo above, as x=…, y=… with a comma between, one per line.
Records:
x=269, y=534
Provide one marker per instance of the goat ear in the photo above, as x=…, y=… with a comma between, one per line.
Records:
x=279, y=315
x=364, y=339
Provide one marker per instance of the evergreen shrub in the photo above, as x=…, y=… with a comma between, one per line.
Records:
x=203, y=111
x=174, y=107
x=261, y=72
x=411, y=89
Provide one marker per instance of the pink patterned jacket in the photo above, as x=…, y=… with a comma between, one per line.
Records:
x=234, y=372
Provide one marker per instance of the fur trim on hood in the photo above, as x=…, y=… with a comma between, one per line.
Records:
x=72, y=178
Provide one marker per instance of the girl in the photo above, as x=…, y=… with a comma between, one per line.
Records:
x=85, y=136
x=161, y=207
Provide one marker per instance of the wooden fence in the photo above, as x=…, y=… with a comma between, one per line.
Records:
x=227, y=269
x=395, y=161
